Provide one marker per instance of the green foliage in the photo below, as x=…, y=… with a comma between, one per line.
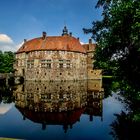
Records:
x=117, y=36
x=6, y=62
x=127, y=123
x=124, y=127
x=6, y=94
x=118, y=50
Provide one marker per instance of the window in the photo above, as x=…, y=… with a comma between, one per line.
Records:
x=30, y=63
x=46, y=63
x=61, y=96
x=61, y=61
x=68, y=61
x=61, y=65
x=68, y=64
x=48, y=60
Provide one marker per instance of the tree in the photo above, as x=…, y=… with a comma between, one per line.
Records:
x=6, y=62
x=118, y=37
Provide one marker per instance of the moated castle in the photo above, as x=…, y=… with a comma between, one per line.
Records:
x=56, y=58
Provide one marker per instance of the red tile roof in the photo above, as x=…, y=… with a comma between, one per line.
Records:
x=89, y=47
x=65, y=43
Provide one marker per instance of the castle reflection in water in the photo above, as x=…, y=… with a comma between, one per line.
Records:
x=59, y=103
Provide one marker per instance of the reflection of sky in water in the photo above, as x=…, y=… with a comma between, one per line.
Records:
x=112, y=105
x=4, y=108
x=13, y=125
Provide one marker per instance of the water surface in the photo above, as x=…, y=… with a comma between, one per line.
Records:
x=59, y=110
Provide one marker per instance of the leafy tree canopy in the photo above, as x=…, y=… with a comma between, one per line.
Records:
x=118, y=37
x=6, y=61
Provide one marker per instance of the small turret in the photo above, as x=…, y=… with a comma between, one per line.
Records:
x=25, y=40
x=65, y=31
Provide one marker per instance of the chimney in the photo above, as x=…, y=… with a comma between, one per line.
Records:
x=70, y=34
x=44, y=35
x=90, y=41
x=25, y=40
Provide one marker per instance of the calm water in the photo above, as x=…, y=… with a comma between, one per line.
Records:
x=66, y=110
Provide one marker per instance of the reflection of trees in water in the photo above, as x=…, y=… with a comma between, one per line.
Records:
x=6, y=94
x=127, y=123
x=109, y=85
x=124, y=127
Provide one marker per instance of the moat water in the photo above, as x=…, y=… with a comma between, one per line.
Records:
x=58, y=110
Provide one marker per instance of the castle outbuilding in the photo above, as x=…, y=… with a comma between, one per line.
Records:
x=56, y=58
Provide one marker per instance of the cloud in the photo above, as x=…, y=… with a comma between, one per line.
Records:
x=5, y=39
x=7, y=44
x=7, y=47
x=4, y=108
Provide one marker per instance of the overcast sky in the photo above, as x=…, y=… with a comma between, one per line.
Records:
x=26, y=19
